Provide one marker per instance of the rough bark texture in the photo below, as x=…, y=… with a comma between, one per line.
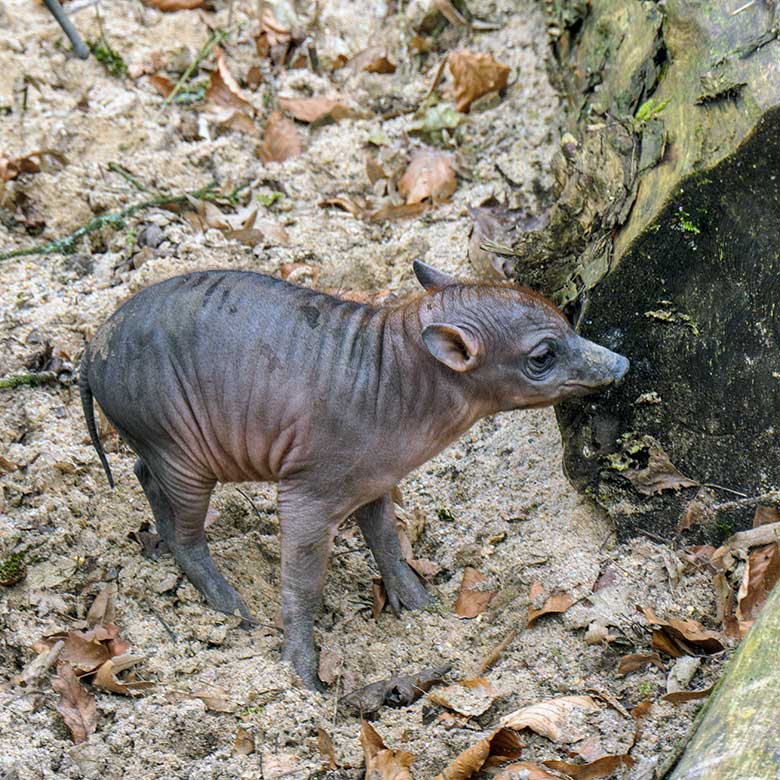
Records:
x=738, y=735
x=663, y=242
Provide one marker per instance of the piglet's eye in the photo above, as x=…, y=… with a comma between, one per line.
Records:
x=541, y=361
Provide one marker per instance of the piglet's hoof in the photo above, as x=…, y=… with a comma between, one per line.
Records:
x=305, y=664
x=404, y=589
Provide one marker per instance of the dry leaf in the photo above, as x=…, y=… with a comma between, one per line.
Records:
x=471, y=600
x=765, y=515
x=685, y=633
x=398, y=691
x=450, y=13
x=549, y=717
x=467, y=697
x=475, y=75
x=346, y=204
x=107, y=680
x=680, y=697
x=396, y=211
x=327, y=751
x=378, y=597
x=163, y=85
x=298, y=273
x=761, y=575
x=502, y=745
x=660, y=473
x=281, y=139
x=382, y=763
x=372, y=60
x=698, y=511
x=103, y=609
x=215, y=700
x=167, y=6
x=12, y=167
x=86, y=650
x=428, y=175
x=632, y=662
x=76, y=705
x=316, y=110
x=605, y=766
x=556, y=603
x=244, y=743
x=525, y=770
x=374, y=170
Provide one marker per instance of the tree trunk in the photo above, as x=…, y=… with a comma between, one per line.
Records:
x=738, y=732
x=664, y=244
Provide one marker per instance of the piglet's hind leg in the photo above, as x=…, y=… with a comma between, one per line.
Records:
x=377, y=523
x=180, y=523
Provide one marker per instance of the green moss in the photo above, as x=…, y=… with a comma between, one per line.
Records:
x=12, y=569
x=650, y=108
x=109, y=58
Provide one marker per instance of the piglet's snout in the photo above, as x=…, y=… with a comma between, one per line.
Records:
x=599, y=366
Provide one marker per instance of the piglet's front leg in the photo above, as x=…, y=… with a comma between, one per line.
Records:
x=307, y=531
x=377, y=523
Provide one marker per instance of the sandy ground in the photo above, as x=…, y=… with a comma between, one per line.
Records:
x=497, y=500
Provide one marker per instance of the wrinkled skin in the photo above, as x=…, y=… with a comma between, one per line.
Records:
x=227, y=376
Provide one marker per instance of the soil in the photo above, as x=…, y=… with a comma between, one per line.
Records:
x=497, y=500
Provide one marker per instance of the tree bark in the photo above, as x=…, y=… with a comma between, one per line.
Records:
x=738, y=733
x=663, y=243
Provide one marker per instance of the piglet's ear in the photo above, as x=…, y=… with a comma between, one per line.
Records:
x=431, y=279
x=452, y=346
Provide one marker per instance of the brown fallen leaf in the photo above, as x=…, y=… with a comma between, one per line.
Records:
x=472, y=600
x=548, y=718
x=244, y=743
x=215, y=699
x=372, y=60
x=389, y=211
x=605, y=766
x=525, y=770
x=330, y=666
x=761, y=575
x=281, y=139
x=685, y=633
x=467, y=697
x=500, y=746
x=659, y=474
x=475, y=75
x=168, y=6
x=327, y=751
x=383, y=763
x=103, y=609
x=345, y=204
x=765, y=515
x=107, y=680
x=378, y=597
x=680, y=697
x=12, y=167
x=374, y=170
x=86, y=650
x=700, y=510
x=76, y=705
x=316, y=110
x=663, y=642
x=398, y=691
x=162, y=84
x=428, y=175
x=633, y=661
x=556, y=603
x=299, y=273
x=223, y=89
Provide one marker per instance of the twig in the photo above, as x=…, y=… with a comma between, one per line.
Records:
x=216, y=38
x=80, y=49
x=168, y=629
x=727, y=490
x=127, y=176
x=65, y=245
x=772, y=498
x=32, y=380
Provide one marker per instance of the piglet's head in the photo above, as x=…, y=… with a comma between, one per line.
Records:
x=512, y=347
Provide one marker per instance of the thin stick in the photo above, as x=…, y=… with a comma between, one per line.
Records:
x=80, y=49
x=127, y=176
x=216, y=38
x=66, y=245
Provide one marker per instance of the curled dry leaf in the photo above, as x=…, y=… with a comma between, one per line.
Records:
x=428, y=175
x=12, y=167
x=556, y=603
x=632, y=662
x=300, y=273
x=472, y=598
x=605, y=766
x=680, y=697
x=549, y=718
x=659, y=474
x=168, y=6
x=86, y=650
x=244, y=743
x=330, y=666
x=316, y=110
x=103, y=609
x=378, y=597
x=107, y=680
x=76, y=705
x=684, y=634
x=467, y=697
x=500, y=746
x=383, y=763
x=327, y=751
x=281, y=139
x=399, y=691
x=475, y=75
x=761, y=575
